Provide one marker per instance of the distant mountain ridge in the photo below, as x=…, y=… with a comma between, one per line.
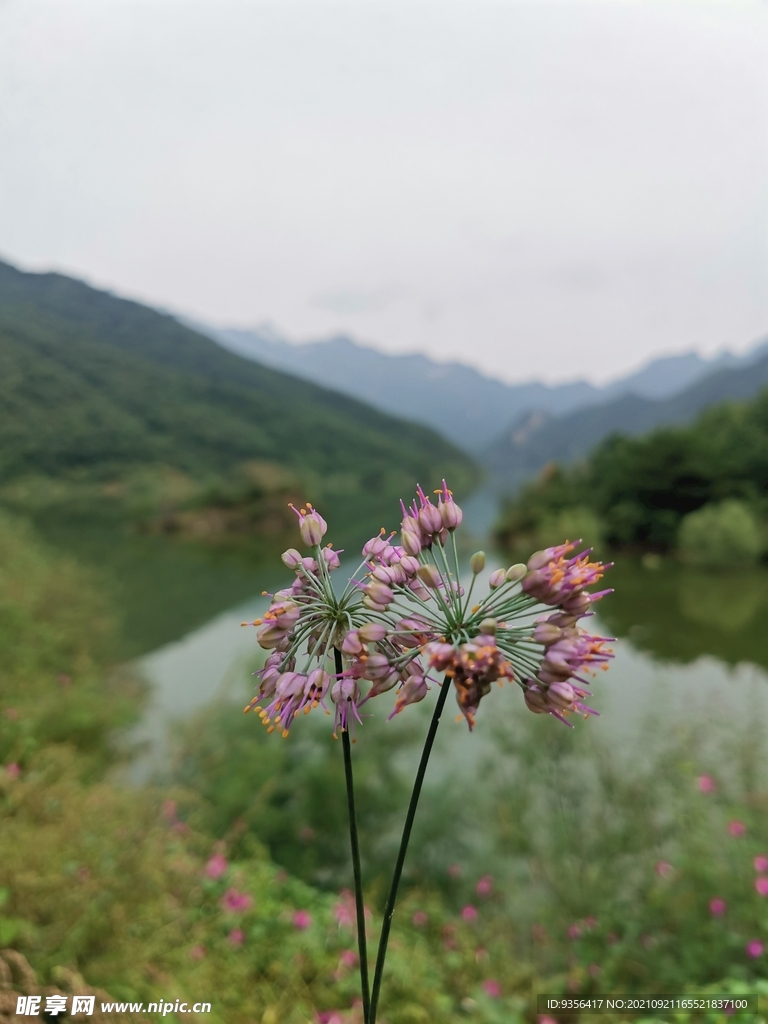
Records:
x=538, y=439
x=466, y=406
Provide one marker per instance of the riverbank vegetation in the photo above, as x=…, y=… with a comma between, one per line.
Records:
x=573, y=865
x=698, y=490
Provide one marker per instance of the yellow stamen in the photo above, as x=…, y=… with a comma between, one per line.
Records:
x=285, y=733
x=271, y=729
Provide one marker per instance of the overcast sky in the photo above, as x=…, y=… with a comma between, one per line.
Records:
x=541, y=189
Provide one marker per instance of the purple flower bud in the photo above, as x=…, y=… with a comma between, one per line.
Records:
x=412, y=691
x=383, y=573
x=409, y=565
x=430, y=520
x=377, y=667
x=352, y=644
x=411, y=539
x=373, y=547
x=331, y=557
x=561, y=696
x=496, y=579
x=383, y=685
x=547, y=633
x=291, y=558
x=440, y=655
x=450, y=513
x=536, y=700
x=312, y=526
x=318, y=682
x=379, y=593
x=270, y=636
x=429, y=576
x=372, y=632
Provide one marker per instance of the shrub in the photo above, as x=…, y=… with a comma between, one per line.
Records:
x=722, y=534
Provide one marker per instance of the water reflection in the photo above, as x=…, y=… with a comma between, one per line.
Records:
x=679, y=614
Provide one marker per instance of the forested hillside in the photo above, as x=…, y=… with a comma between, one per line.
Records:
x=95, y=390
x=642, y=491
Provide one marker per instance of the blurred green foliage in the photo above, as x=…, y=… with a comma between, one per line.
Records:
x=639, y=489
x=129, y=887
x=720, y=534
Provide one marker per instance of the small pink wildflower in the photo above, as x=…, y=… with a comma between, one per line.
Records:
x=454, y=871
x=330, y=1017
x=590, y=922
x=168, y=811
x=736, y=828
x=760, y=863
x=302, y=919
x=492, y=988
x=468, y=913
x=717, y=907
x=706, y=784
x=13, y=770
x=237, y=936
x=216, y=866
x=574, y=932
x=348, y=958
x=761, y=885
x=485, y=886
x=197, y=952
x=664, y=869
x=754, y=948
x=420, y=918
x=235, y=902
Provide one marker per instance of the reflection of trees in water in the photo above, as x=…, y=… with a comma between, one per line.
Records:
x=678, y=613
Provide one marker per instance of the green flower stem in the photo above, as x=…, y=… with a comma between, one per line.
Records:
x=389, y=909
x=356, y=870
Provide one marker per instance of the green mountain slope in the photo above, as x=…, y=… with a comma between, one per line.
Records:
x=94, y=388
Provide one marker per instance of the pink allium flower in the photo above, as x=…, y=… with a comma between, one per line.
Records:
x=574, y=932
x=761, y=885
x=664, y=869
x=468, y=913
x=216, y=866
x=237, y=936
x=420, y=918
x=492, y=988
x=754, y=948
x=454, y=871
x=197, y=952
x=485, y=886
x=235, y=901
x=760, y=863
x=302, y=919
x=717, y=907
x=706, y=784
x=13, y=770
x=736, y=828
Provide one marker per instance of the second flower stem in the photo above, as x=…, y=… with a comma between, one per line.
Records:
x=389, y=909
x=356, y=870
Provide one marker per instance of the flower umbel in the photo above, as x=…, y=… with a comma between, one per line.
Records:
x=404, y=622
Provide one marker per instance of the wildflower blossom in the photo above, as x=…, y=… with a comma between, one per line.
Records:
x=13, y=770
x=235, y=901
x=754, y=949
x=760, y=863
x=404, y=622
x=706, y=784
x=420, y=918
x=469, y=913
x=216, y=866
x=761, y=885
x=736, y=829
x=484, y=886
x=717, y=907
x=492, y=988
x=664, y=869
x=302, y=919
x=237, y=936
